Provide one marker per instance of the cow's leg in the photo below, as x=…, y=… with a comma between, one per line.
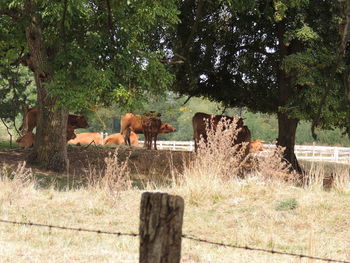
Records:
x=149, y=141
x=146, y=134
x=127, y=137
x=155, y=141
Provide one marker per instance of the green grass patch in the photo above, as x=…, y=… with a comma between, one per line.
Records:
x=286, y=205
x=4, y=145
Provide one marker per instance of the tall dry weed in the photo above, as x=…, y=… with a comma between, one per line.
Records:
x=215, y=165
x=217, y=155
x=272, y=168
x=112, y=179
x=16, y=183
x=315, y=177
x=326, y=176
x=341, y=182
x=218, y=165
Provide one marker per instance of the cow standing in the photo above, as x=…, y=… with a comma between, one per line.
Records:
x=133, y=122
x=151, y=127
x=74, y=122
x=202, y=121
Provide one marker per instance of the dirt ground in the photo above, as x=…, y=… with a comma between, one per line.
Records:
x=142, y=162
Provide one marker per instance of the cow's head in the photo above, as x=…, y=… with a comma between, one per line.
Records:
x=77, y=121
x=256, y=146
x=166, y=128
x=82, y=122
x=152, y=114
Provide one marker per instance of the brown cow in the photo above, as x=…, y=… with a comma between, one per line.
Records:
x=133, y=122
x=87, y=138
x=77, y=121
x=199, y=123
x=74, y=122
x=118, y=139
x=151, y=127
x=255, y=146
x=27, y=140
x=30, y=117
x=247, y=159
x=70, y=132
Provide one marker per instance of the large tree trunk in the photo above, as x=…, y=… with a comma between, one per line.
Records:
x=286, y=126
x=286, y=138
x=50, y=149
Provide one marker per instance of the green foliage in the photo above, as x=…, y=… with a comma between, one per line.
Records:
x=98, y=54
x=239, y=59
x=286, y=205
x=16, y=88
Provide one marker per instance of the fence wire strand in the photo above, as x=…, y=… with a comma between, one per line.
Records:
x=271, y=251
x=80, y=229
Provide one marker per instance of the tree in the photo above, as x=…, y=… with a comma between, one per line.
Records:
x=270, y=56
x=15, y=88
x=84, y=53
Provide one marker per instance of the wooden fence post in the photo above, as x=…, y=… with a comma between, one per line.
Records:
x=161, y=217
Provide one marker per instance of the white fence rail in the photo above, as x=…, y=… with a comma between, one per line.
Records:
x=303, y=152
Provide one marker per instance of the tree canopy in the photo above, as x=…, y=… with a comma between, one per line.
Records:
x=82, y=54
x=233, y=55
x=270, y=56
x=98, y=52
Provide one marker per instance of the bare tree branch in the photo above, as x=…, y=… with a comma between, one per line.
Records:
x=8, y=130
x=168, y=61
x=63, y=29
x=109, y=10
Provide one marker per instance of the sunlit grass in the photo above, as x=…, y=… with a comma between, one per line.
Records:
x=260, y=207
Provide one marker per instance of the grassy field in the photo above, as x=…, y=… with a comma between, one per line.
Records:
x=263, y=207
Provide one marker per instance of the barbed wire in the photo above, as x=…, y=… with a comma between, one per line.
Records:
x=271, y=251
x=80, y=229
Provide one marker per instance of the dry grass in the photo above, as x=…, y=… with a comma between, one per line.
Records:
x=262, y=209
x=112, y=179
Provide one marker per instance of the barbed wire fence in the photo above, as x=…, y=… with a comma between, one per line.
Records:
x=184, y=236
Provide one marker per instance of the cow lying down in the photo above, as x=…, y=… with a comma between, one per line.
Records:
x=97, y=138
x=118, y=139
x=87, y=138
x=27, y=140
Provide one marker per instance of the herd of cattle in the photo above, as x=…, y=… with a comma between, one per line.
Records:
x=148, y=124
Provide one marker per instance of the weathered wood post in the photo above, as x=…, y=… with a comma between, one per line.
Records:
x=161, y=217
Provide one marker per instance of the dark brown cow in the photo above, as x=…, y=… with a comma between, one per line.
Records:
x=133, y=122
x=77, y=121
x=151, y=127
x=74, y=122
x=199, y=123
